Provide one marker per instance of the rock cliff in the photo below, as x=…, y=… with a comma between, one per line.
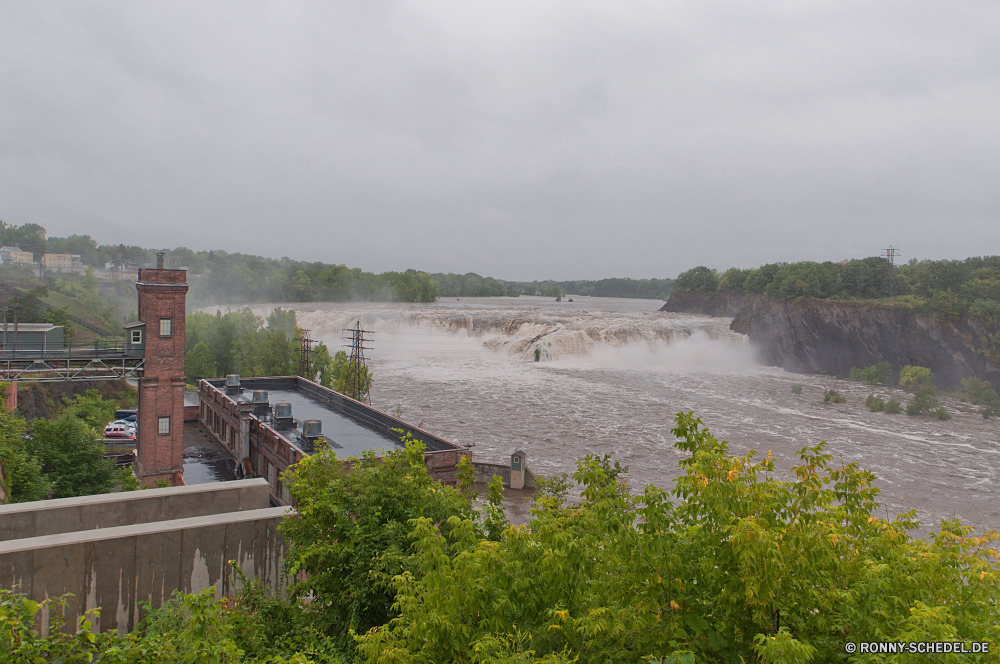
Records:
x=816, y=336
x=720, y=305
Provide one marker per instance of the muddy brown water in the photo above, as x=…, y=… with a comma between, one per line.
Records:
x=614, y=372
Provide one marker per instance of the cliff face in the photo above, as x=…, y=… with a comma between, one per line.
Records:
x=720, y=305
x=816, y=336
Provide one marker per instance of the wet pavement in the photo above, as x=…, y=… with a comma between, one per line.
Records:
x=205, y=460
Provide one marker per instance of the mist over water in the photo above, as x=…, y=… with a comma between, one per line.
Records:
x=614, y=372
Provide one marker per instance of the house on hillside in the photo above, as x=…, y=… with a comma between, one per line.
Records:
x=57, y=262
x=16, y=255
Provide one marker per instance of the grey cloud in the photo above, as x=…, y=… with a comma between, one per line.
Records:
x=519, y=139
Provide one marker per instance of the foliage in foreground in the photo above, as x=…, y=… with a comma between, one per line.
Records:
x=733, y=565
x=742, y=567
x=189, y=629
x=350, y=536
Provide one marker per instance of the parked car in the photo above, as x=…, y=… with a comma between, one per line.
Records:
x=126, y=423
x=115, y=430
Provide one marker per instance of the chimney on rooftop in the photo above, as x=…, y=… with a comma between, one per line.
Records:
x=159, y=260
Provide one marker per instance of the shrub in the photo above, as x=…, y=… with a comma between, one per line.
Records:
x=880, y=373
x=893, y=406
x=981, y=393
x=834, y=396
x=874, y=403
x=975, y=390
x=913, y=378
x=942, y=414
x=912, y=408
x=796, y=389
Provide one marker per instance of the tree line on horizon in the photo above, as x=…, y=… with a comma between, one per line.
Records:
x=220, y=277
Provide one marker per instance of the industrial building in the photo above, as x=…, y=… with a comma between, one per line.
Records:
x=31, y=337
x=269, y=424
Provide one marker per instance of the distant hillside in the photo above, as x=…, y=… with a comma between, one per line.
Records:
x=220, y=277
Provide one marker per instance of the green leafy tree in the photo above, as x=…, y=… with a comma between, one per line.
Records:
x=89, y=407
x=876, y=374
x=21, y=477
x=199, y=362
x=351, y=535
x=732, y=565
x=700, y=279
x=70, y=455
x=914, y=378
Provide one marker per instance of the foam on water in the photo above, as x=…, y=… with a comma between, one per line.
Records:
x=614, y=373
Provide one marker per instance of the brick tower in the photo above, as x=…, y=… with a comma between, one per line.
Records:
x=160, y=427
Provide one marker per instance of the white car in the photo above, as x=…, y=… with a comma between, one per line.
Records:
x=115, y=430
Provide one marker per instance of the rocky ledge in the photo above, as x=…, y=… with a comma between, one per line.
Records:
x=817, y=336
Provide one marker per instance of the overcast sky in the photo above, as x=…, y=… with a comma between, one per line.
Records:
x=520, y=139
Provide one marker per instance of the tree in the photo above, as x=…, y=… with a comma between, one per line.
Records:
x=21, y=475
x=732, y=565
x=351, y=536
x=91, y=409
x=913, y=378
x=199, y=362
x=70, y=455
x=700, y=279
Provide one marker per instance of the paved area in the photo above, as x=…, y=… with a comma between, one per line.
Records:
x=205, y=460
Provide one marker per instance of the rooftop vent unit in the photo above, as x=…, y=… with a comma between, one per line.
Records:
x=260, y=403
x=283, y=415
x=233, y=384
x=312, y=430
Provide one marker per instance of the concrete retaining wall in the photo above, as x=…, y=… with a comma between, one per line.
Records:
x=485, y=472
x=115, y=568
x=109, y=510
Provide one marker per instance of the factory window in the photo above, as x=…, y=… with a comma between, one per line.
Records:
x=136, y=336
x=164, y=327
x=163, y=425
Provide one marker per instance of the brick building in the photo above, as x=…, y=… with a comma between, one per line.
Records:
x=160, y=329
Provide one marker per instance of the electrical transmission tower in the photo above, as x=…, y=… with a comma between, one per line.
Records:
x=889, y=280
x=358, y=381
x=305, y=355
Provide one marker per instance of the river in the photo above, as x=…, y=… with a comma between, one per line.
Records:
x=613, y=373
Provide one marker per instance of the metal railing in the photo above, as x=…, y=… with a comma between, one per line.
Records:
x=34, y=350
x=100, y=360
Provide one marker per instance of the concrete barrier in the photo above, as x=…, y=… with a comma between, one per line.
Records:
x=116, y=568
x=109, y=510
x=485, y=472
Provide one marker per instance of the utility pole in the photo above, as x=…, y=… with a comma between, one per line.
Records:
x=11, y=307
x=357, y=372
x=889, y=280
x=305, y=355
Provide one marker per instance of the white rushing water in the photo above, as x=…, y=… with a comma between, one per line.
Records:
x=614, y=372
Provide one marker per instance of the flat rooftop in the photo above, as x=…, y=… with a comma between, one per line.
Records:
x=350, y=427
x=341, y=431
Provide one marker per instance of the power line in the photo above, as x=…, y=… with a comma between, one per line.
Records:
x=305, y=355
x=889, y=280
x=358, y=382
